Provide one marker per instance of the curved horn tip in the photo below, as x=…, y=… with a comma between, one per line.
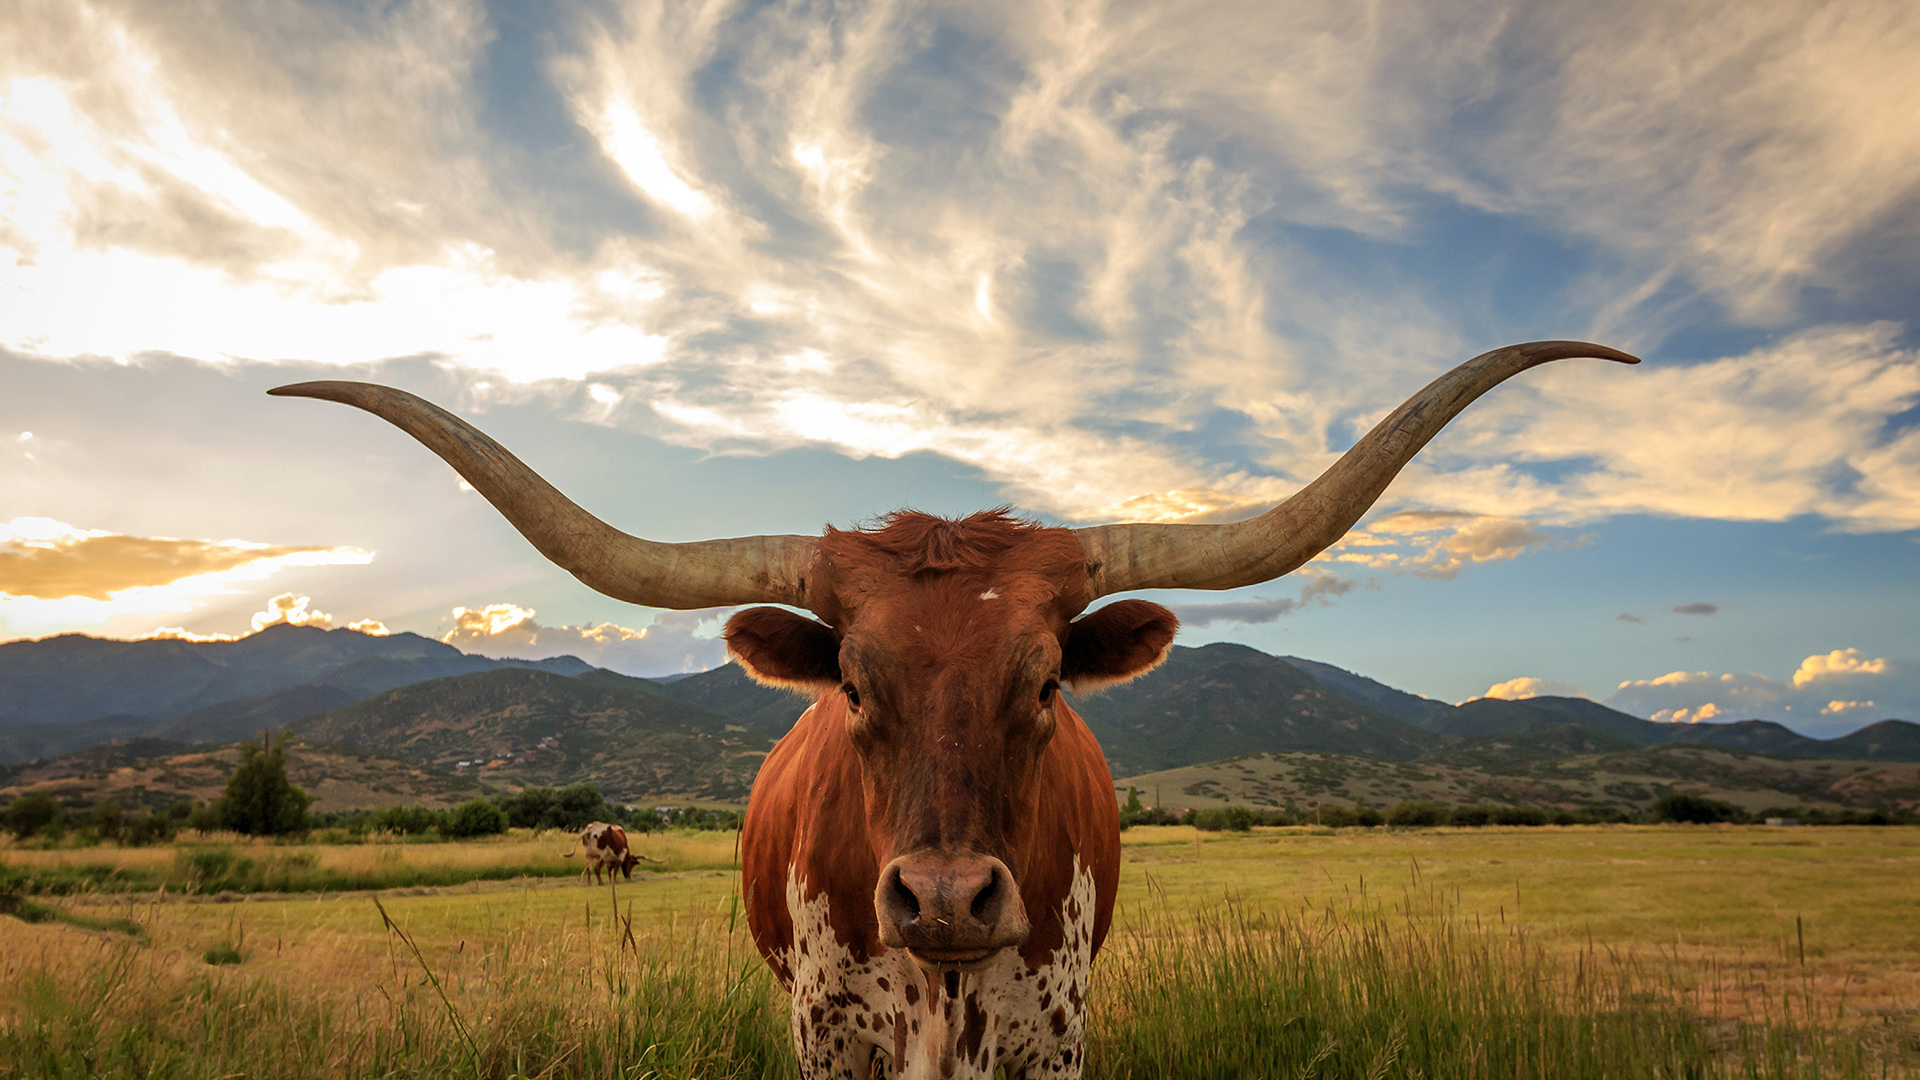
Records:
x=1567, y=350
x=308, y=389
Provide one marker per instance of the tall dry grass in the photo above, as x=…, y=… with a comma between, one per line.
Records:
x=660, y=981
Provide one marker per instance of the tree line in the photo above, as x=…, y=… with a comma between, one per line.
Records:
x=1675, y=807
x=260, y=800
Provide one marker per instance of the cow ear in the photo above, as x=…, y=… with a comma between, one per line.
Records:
x=780, y=648
x=1115, y=644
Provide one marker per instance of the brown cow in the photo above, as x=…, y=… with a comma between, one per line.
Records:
x=606, y=848
x=930, y=856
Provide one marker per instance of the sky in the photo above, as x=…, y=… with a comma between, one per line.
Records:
x=723, y=268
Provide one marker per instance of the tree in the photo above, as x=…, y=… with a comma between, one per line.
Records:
x=260, y=800
x=480, y=817
x=32, y=812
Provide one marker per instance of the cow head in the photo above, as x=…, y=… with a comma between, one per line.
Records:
x=947, y=643
x=627, y=863
x=949, y=640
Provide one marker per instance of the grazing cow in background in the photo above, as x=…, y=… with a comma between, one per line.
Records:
x=605, y=847
x=930, y=856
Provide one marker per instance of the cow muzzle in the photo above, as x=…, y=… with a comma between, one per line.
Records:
x=950, y=911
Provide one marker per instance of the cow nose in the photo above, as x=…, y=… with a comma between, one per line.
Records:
x=949, y=908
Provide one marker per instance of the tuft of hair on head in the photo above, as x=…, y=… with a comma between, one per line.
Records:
x=921, y=543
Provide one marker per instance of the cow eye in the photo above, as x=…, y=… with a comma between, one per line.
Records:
x=1046, y=691
x=853, y=695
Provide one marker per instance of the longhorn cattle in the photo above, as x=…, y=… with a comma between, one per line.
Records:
x=605, y=847
x=930, y=856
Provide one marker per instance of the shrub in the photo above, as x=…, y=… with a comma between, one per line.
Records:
x=204, y=817
x=1417, y=815
x=31, y=813
x=404, y=820
x=222, y=954
x=1367, y=816
x=1133, y=813
x=479, y=817
x=108, y=819
x=569, y=808
x=1695, y=809
x=1471, y=817
x=1233, y=818
x=1334, y=817
x=148, y=829
x=1518, y=815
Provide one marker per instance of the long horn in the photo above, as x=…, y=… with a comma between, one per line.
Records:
x=1142, y=556
x=707, y=573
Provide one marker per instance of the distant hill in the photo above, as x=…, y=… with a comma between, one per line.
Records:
x=1225, y=700
x=208, y=691
x=1631, y=780
x=1421, y=712
x=1888, y=740
x=730, y=691
x=701, y=736
x=154, y=774
x=528, y=728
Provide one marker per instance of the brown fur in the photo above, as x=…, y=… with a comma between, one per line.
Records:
x=953, y=635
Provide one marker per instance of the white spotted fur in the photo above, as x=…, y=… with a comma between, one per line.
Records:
x=861, y=1022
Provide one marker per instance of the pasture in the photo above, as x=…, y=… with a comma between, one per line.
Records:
x=1595, y=951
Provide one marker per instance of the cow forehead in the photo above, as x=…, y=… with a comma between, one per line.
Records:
x=965, y=626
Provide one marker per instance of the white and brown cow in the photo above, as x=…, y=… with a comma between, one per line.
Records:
x=930, y=856
x=605, y=847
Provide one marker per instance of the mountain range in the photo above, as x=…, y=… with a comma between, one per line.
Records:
x=508, y=724
x=67, y=693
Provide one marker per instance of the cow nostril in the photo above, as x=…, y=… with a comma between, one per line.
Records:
x=986, y=896
x=906, y=897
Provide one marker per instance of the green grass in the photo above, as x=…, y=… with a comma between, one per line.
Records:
x=1351, y=954
x=240, y=865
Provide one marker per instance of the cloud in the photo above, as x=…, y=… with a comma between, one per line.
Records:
x=1321, y=588
x=1814, y=690
x=1698, y=715
x=1837, y=664
x=1436, y=544
x=54, y=575
x=1628, y=616
x=1806, y=426
x=43, y=559
x=1066, y=245
x=1526, y=686
x=290, y=610
x=675, y=642
x=1697, y=608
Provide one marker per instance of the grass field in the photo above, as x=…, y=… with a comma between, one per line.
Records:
x=1586, y=951
x=224, y=862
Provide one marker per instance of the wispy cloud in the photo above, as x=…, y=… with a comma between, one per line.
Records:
x=53, y=574
x=1435, y=544
x=1697, y=608
x=1319, y=588
x=1116, y=258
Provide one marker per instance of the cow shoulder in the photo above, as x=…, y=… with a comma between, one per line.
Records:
x=1116, y=643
